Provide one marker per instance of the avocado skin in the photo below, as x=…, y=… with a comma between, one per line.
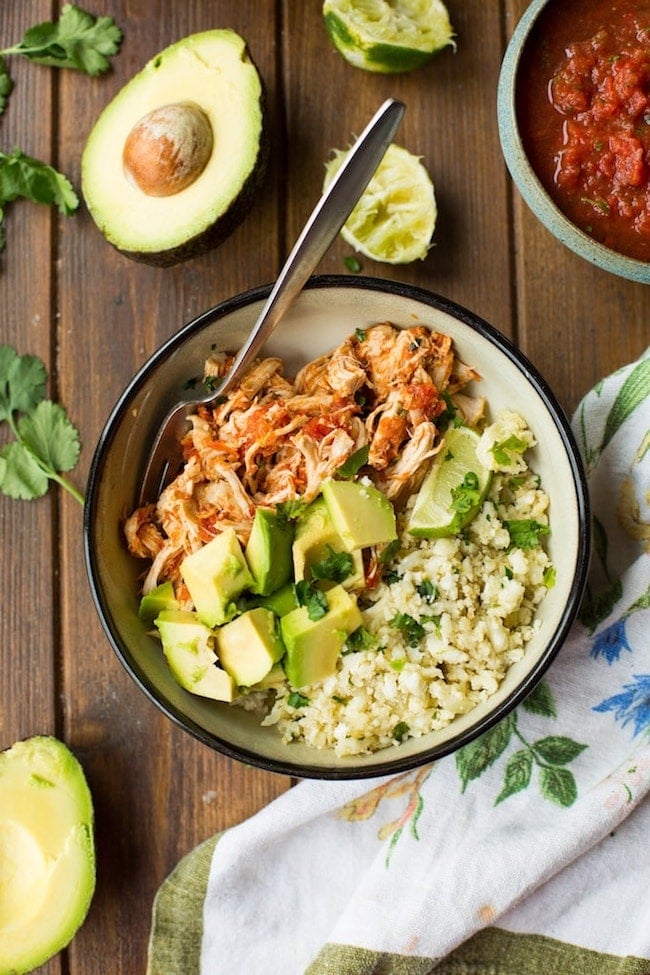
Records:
x=215, y=235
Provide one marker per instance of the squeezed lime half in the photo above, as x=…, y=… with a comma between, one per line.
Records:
x=454, y=489
x=395, y=218
x=388, y=36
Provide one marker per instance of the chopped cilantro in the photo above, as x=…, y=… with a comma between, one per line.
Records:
x=427, y=590
x=465, y=496
x=360, y=334
x=360, y=639
x=410, y=627
x=511, y=445
x=401, y=731
x=296, y=700
x=389, y=551
x=352, y=263
x=314, y=600
x=335, y=567
x=549, y=576
x=525, y=532
x=287, y=511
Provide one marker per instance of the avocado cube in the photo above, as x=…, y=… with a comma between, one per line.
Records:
x=249, y=645
x=282, y=601
x=315, y=536
x=360, y=513
x=268, y=552
x=313, y=646
x=188, y=645
x=215, y=576
x=153, y=602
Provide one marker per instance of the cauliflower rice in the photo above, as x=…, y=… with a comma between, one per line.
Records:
x=449, y=618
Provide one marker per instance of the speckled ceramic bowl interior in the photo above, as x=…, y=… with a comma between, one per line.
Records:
x=523, y=175
x=327, y=311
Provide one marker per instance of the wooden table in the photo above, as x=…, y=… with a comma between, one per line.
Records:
x=94, y=317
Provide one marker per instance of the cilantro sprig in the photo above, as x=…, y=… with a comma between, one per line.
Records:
x=23, y=176
x=45, y=442
x=76, y=40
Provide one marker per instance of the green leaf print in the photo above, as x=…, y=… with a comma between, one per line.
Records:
x=519, y=769
x=473, y=759
x=631, y=394
x=549, y=754
x=558, y=785
x=540, y=701
x=558, y=750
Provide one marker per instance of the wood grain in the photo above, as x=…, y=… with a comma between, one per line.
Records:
x=95, y=317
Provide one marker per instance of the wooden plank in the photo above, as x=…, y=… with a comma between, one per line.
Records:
x=450, y=121
x=158, y=792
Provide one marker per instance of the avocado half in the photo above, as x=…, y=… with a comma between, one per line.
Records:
x=173, y=163
x=47, y=852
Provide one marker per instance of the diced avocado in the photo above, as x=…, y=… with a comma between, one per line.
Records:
x=268, y=552
x=188, y=645
x=215, y=576
x=315, y=537
x=152, y=603
x=275, y=678
x=313, y=646
x=47, y=852
x=282, y=601
x=249, y=646
x=360, y=513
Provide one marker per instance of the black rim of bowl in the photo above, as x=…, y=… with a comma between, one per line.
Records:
x=526, y=180
x=356, y=768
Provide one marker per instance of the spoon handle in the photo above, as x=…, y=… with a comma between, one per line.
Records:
x=325, y=222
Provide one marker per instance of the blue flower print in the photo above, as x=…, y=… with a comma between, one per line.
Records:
x=632, y=705
x=610, y=642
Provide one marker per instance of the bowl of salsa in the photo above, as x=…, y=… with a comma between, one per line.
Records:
x=574, y=123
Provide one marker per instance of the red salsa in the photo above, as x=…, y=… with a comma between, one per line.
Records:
x=583, y=106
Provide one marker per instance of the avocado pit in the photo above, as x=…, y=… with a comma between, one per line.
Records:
x=168, y=149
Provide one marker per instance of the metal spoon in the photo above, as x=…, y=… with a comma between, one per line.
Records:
x=325, y=222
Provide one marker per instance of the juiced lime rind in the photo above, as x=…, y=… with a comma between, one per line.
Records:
x=394, y=220
x=432, y=515
x=388, y=38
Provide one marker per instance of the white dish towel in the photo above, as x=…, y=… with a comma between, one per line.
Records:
x=527, y=853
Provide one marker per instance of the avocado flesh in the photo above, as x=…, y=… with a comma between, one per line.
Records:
x=268, y=552
x=361, y=514
x=213, y=70
x=315, y=536
x=216, y=575
x=188, y=648
x=47, y=853
x=313, y=646
x=249, y=646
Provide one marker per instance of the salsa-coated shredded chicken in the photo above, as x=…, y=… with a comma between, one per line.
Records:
x=273, y=440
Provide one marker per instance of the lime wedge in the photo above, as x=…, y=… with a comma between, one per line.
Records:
x=388, y=36
x=453, y=490
x=395, y=218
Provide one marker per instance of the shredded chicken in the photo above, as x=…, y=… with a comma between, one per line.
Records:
x=275, y=440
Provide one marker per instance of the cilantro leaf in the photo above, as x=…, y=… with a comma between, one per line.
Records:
x=410, y=627
x=20, y=476
x=335, y=567
x=23, y=176
x=511, y=445
x=45, y=442
x=6, y=85
x=50, y=436
x=22, y=382
x=525, y=532
x=77, y=40
x=314, y=600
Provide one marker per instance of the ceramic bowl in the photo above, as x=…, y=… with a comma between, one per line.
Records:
x=525, y=179
x=327, y=311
